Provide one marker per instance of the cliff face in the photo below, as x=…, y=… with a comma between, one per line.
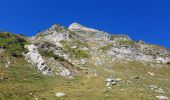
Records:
x=79, y=46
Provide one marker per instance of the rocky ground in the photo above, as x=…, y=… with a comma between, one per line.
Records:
x=80, y=62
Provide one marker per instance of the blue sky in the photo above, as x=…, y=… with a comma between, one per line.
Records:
x=147, y=20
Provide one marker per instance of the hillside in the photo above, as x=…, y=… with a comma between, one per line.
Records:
x=82, y=63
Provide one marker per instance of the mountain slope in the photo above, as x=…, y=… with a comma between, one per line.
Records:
x=80, y=46
x=82, y=63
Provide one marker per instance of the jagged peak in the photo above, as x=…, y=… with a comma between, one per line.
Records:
x=77, y=26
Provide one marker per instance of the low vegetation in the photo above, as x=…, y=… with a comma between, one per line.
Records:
x=13, y=44
x=51, y=54
x=76, y=52
x=107, y=47
x=42, y=34
x=21, y=81
x=124, y=42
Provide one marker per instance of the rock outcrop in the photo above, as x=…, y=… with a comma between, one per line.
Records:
x=80, y=45
x=140, y=52
x=35, y=58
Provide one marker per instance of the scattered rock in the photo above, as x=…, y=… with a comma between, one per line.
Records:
x=36, y=98
x=162, y=97
x=160, y=90
x=153, y=87
x=111, y=81
x=152, y=74
x=107, y=84
x=9, y=62
x=60, y=94
x=156, y=89
x=64, y=72
x=6, y=65
x=118, y=79
x=109, y=87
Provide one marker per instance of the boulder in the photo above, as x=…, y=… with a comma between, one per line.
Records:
x=162, y=97
x=60, y=94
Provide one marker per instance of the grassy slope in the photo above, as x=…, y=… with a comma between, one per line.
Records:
x=13, y=44
x=20, y=79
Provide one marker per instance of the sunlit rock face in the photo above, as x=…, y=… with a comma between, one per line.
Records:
x=76, y=26
x=35, y=58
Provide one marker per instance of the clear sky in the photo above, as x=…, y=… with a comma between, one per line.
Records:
x=147, y=20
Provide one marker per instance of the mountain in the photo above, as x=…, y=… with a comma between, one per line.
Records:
x=80, y=45
x=77, y=60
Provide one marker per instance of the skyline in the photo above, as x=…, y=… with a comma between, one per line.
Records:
x=140, y=20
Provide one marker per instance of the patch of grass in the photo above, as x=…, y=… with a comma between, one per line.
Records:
x=13, y=44
x=23, y=82
x=20, y=79
x=80, y=54
x=123, y=42
x=74, y=43
x=76, y=52
x=107, y=47
x=51, y=54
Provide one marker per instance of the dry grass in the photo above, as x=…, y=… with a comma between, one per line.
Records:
x=23, y=82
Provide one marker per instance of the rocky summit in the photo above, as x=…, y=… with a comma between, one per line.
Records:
x=77, y=61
